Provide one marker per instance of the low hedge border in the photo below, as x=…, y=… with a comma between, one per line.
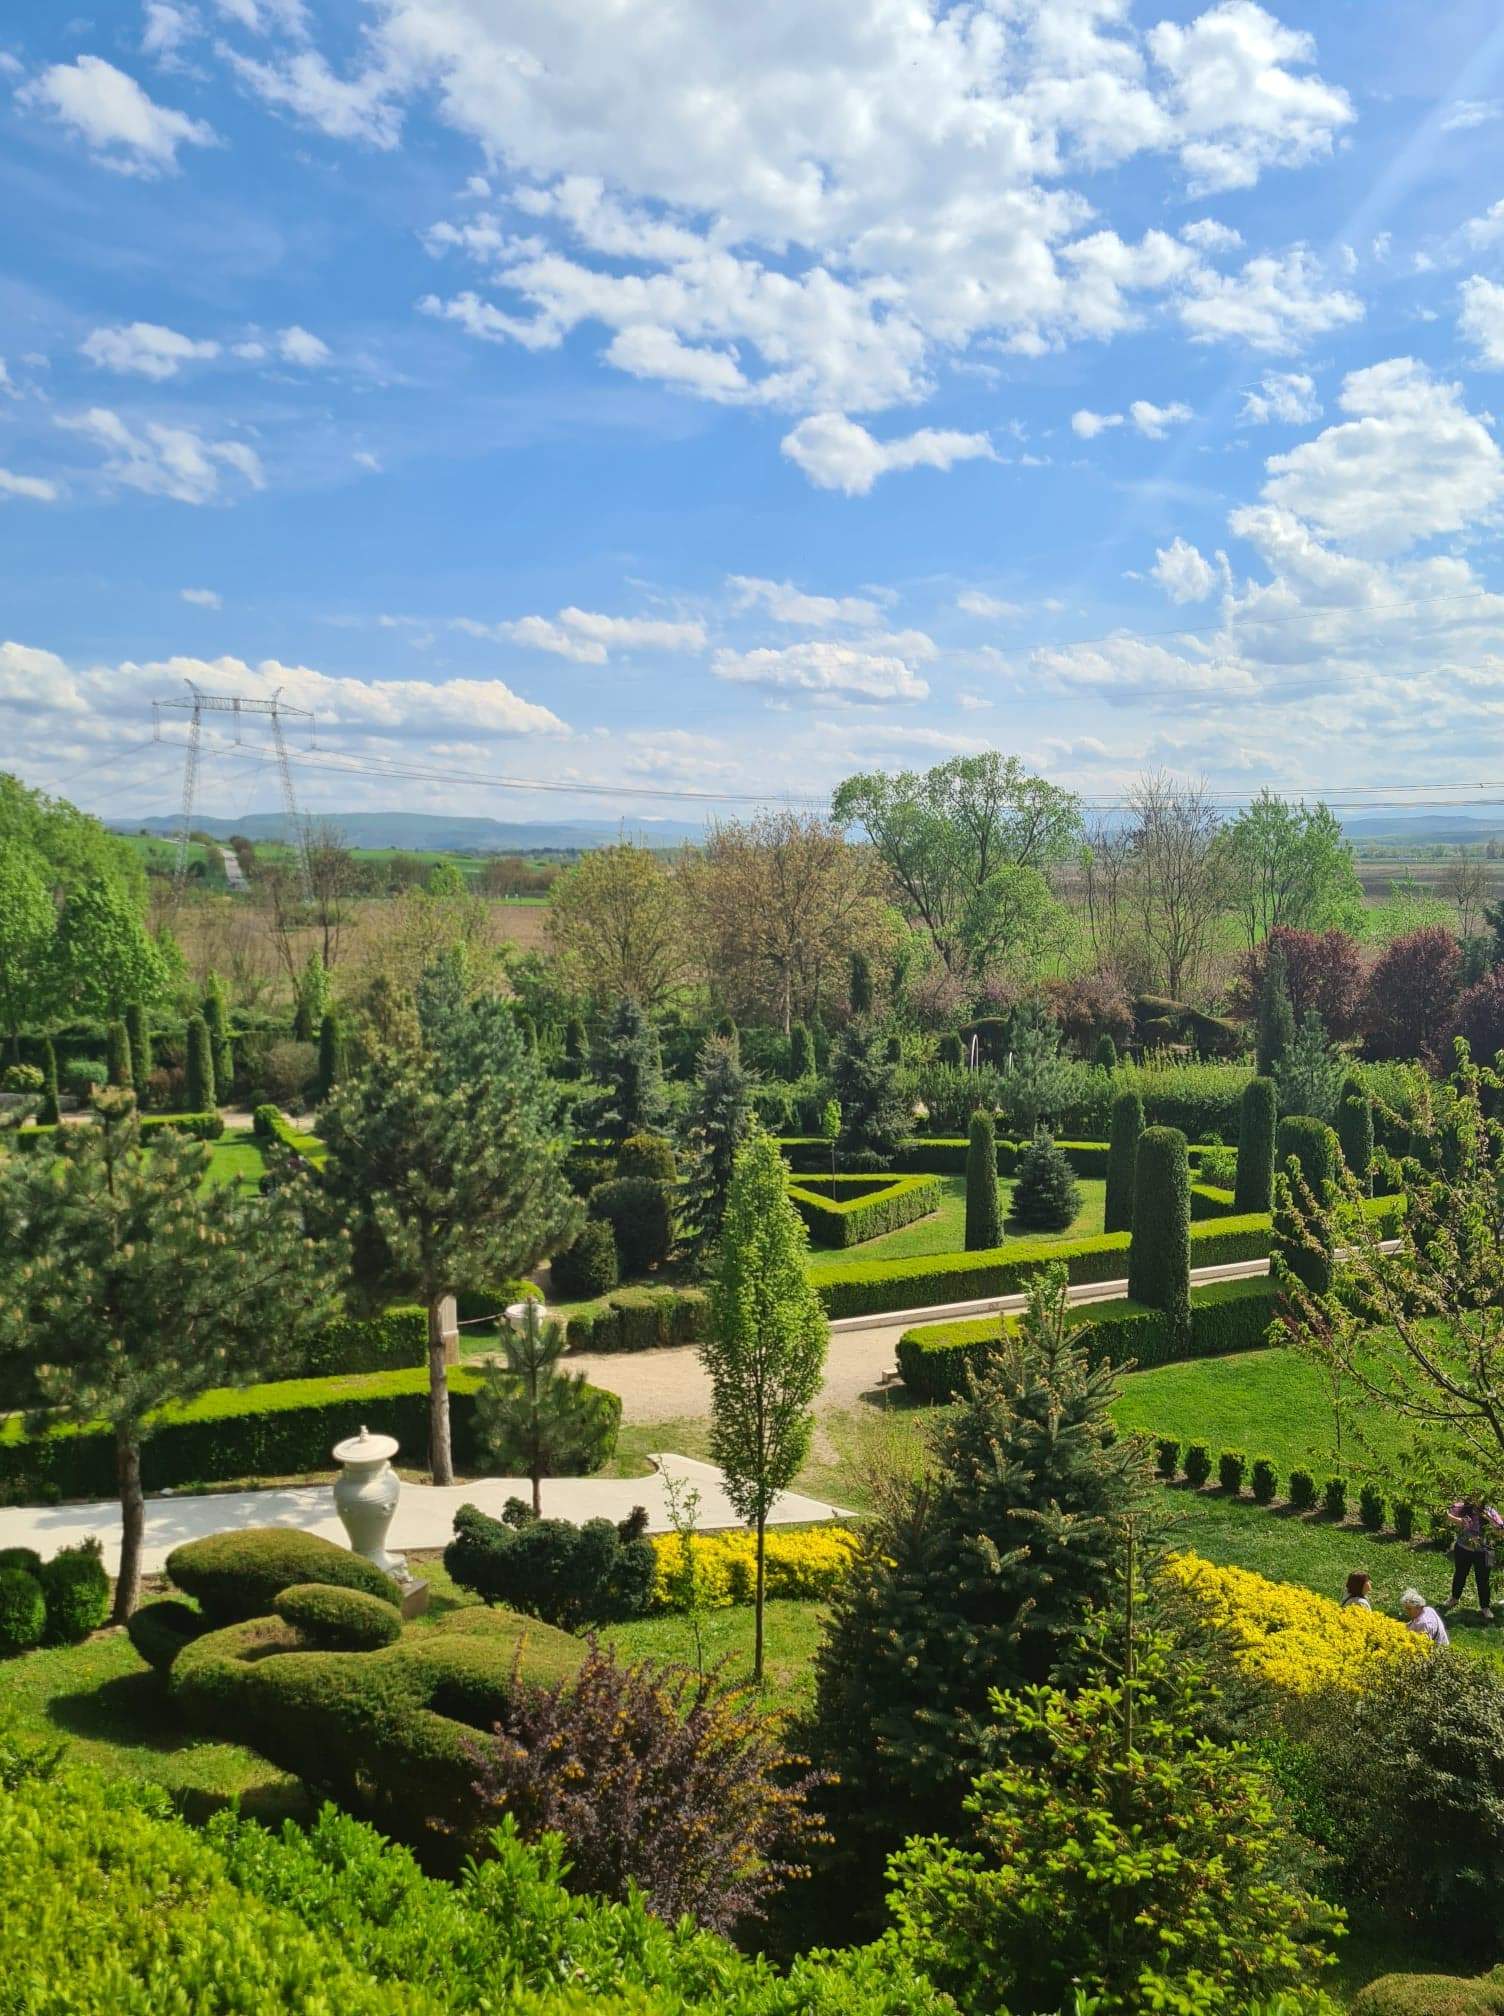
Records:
x=843, y=1211
x=1332, y=1499
x=1209, y=1202
x=1226, y=1316
x=202, y=1127
x=945, y=1155
x=276, y=1430
x=642, y=1319
x=872, y=1287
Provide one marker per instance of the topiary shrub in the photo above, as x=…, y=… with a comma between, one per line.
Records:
x=1404, y=1520
x=648, y=1155
x=1166, y=1459
x=598, y=1573
x=1334, y=1499
x=641, y=1215
x=1312, y=1146
x=588, y=1267
x=1431, y=1995
x=49, y=1114
x=338, y=1620
x=266, y=1121
x=84, y=1075
x=200, y=1088
x=21, y=1557
x=238, y=1575
x=1122, y=1153
x=1355, y=1130
x=1253, y=1186
x=984, y=1223
x=1159, y=1257
x=1198, y=1466
x=1265, y=1482
x=118, y=1054
x=1046, y=1195
x=76, y=1590
x=948, y=1051
x=1371, y=1509
x=23, y=1611
x=1302, y=1490
x=1105, y=1056
x=159, y=1631
x=1231, y=1470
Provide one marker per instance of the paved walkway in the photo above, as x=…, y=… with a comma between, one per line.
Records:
x=425, y=1512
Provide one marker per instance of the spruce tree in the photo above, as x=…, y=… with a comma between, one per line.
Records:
x=49, y=1113
x=1355, y=1129
x=801, y=1053
x=119, y=1057
x=1309, y=1075
x=1256, y=1123
x=1046, y=1195
x=1159, y=1257
x=1122, y=1156
x=138, y=1028
x=720, y=1119
x=984, y=1220
x=201, y=1087
x=1276, y=1018
x=977, y=1575
x=331, y=1056
x=864, y=1075
x=217, y=1021
x=629, y=1070
x=530, y=1417
x=860, y=995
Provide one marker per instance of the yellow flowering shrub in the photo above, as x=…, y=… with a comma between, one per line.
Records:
x=805, y=1564
x=1296, y=1642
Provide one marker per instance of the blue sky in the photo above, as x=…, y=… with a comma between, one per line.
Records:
x=683, y=399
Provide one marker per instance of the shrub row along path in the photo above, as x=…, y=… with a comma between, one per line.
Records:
x=425, y=1512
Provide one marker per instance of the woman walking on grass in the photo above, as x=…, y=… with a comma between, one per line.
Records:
x=1472, y=1550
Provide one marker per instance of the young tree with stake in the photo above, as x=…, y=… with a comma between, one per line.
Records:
x=766, y=1350
x=530, y=1415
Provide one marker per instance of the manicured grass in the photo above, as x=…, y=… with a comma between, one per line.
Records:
x=791, y=1634
x=944, y=1231
x=236, y=1159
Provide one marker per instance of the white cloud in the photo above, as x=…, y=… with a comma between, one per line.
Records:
x=589, y=637
x=1184, y=572
x=1482, y=320
x=251, y=351
x=164, y=461
x=837, y=454
x=1207, y=235
x=1289, y=396
x=125, y=129
x=299, y=346
x=36, y=488
x=303, y=84
x=1156, y=421
x=787, y=604
x=1412, y=462
x=202, y=598
x=647, y=351
x=147, y=349
x=1274, y=303
x=1089, y=425
x=367, y=460
x=1465, y=113
x=166, y=29
x=974, y=602
x=824, y=668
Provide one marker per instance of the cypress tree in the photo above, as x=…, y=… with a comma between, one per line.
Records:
x=138, y=1028
x=1355, y=1129
x=49, y=1114
x=949, y=1050
x=1107, y=1053
x=576, y=1043
x=1256, y=1120
x=984, y=1223
x=727, y=1031
x=1276, y=1023
x=119, y=1056
x=1122, y=1152
x=312, y=999
x=1312, y=1146
x=217, y=1021
x=861, y=984
x=201, y=1097
x=331, y=1056
x=1159, y=1257
x=801, y=1052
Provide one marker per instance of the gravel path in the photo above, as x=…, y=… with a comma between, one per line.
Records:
x=672, y=1386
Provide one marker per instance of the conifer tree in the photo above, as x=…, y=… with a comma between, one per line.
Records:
x=1106, y=1058
x=629, y=1070
x=118, y=1046
x=49, y=1113
x=801, y=1052
x=312, y=999
x=1159, y=1257
x=865, y=1079
x=1122, y=1156
x=1276, y=1018
x=1300, y=1197
x=1355, y=1130
x=1309, y=1075
x=1046, y=1195
x=984, y=1222
x=138, y=1027
x=1256, y=1123
x=201, y=1086
x=331, y=1056
x=720, y=1120
x=217, y=1021
x=530, y=1416
x=949, y=1051
x=576, y=1042
x=860, y=995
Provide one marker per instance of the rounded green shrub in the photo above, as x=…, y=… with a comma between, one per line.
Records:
x=21, y=1557
x=588, y=1267
x=1334, y=1499
x=1231, y=1469
x=1106, y=1055
x=1046, y=1196
x=338, y=1620
x=1302, y=1490
x=648, y=1155
x=1198, y=1466
x=159, y=1631
x=22, y=1078
x=948, y=1051
x=1371, y=1509
x=1254, y=1185
x=1166, y=1458
x=1265, y=1482
x=641, y=1215
x=238, y=1575
x=23, y=1611
x=1404, y=1521
x=1122, y=1151
x=1159, y=1257
x=984, y=1224
x=1431, y=1995
x=76, y=1590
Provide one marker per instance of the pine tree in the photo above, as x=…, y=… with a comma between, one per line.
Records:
x=984, y=1222
x=1159, y=1257
x=1276, y=1018
x=1036, y=1083
x=865, y=1079
x=720, y=1120
x=49, y=1114
x=331, y=1056
x=1046, y=1195
x=127, y=1281
x=801, y=1053
x=860, y=995
x=217, y=1021
x=1309, y=1075
x=312, y=999
x=119, y=1057
x=530, y=1416
x=765, y=1353
x=138, y=1027
x=1122, y=1156
x=201, y=1087
x=630, y=1073
x=1256, y=1123
x=977, y=1575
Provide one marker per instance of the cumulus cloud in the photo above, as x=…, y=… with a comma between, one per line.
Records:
x=588, y=637
x=838, y=454
x=1156, y=421
x=300, y=346
x=824, y=668
x=1089, y=425
x=162, y=460
x=1207, y=235
x=202, y=598
x=122, y=126
x=787, y=604
x=37, y=489
x=1184, y=572
x=1482, y=320
x=1289, y=396
x=1275, y=302
x=975, y=602
x=165, y=29
x=147, y=349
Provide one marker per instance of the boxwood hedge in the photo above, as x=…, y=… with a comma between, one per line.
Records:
x=848, y=1210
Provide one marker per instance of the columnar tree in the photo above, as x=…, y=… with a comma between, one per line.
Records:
x=1355, y=1129
x=217, y=1021
x=984, y=1222
x=331, y=1055
x=447, y=1159
x=312, y=999
x=1106, y=1055
x=720, y=1119
x=1276, y=1018
x=138, y=1028
x=118, y=1056
x=128, y=1281
x=1122, y=1153
x=1159, y=1257
x=765, y=1353
x=801, y=1052
x=1300, y=1193
x=860, y=992
x=201, y=1085
x=49, y=1113
x=1256, y=1122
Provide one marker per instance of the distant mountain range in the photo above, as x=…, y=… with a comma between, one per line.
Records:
x=430, y=832
x=1448, y=828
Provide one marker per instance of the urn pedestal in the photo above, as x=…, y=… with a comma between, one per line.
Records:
x=365, y=1496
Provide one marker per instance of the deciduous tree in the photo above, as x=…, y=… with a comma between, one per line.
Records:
x=1287, y=865
x=1178, y=878
x=1412, y=994
x=614, y=921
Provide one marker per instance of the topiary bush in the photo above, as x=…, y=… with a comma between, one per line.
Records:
x=589, y=1266
x=1355, y=1130
x=1198, y=1466
x=159, y=1631
x=1166, y=1459
x=1371, y=1509
x=1404, y=1520
x=984, y=1222
x=568, y=1575
x=23, y=1611
x=1046, y=1196
x=118, y=1053
x=649, y=1155
x=1122, y=1153
x=338, y=1620
x=948, y=1051
x=21, y=1557
x=1253, y=1185
x=76, y=1590
x=200, y=1088
x=1265, y=1482
x=1312, y=1146
x=1159, y=1257
x=1302, y=1490
x=1334, y=1499
x=238, y=1575
x=1431, y=1995
x=1105, y=1057
x=641, y=1216
x=1231, y=1470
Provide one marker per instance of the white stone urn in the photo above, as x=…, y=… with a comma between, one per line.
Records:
x=365, y=1496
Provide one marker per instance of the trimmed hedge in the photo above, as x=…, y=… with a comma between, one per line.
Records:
x=1159, y=1257
x=202, y=1127
x=640, y=1319
x=945, y=1155
x=1226, y=1317
x=1209, y=1202
x=1122, y=1152
x=846, y=1211
x=1256, y=1125
x=337, y=1619
x=275, y=1430
x=394, y=1341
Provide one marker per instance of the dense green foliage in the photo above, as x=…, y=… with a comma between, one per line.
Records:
x=1309, y=1075
x=640, y=1213
x=865, y=1078
x=1159, y=1259
x=232, y=1576
x=221, y=1041
x=628, y=1068
x=843, y=1211
x=118, y=1055
x=1045, y=1196
x=588, y=1264
x=1355, y=1129
x=1312, y=1146
x=1255, y=1178
x=1122, y=1158
x=638, y=1319
x=1275, y=1030
x=202, y=1090
x=568, y=1575
x=984, y=1225
x=339, y=1620
x=718, y=1122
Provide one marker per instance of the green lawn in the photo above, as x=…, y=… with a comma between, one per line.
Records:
x=944, y=1231
x=236, y=1159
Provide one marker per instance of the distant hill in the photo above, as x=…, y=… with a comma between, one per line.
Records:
x=431, y=832
x=1451, y=829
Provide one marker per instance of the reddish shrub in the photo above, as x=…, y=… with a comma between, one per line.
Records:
x=1093, y=1005
x=1410, y=1006
x=1480, y=1016
x=1324, y=972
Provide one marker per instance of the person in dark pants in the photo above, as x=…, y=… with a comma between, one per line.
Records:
x=1472, y=1550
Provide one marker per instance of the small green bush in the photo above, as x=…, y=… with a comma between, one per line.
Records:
x=1231, y=1470
x=1046, y=1197
x=23, y=1611
x=77, y=1592
x=1166, y=1459
x=1302, y=1490
x=1334, y=1498
x=588, y=1267
x=641, y=1215
x=83, y=1075
x=1198, y=1466
x=1105, y=1056
x=233, y=1576
x=22, y=1078
x=339, y=1620
x=1404, y=1520
x=570, y=1576
x=1371, y=1509
x=648, y=1155
x=21, y=1557
x=1265, y=1482
x=1431, y=1995
x=160, y=1630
